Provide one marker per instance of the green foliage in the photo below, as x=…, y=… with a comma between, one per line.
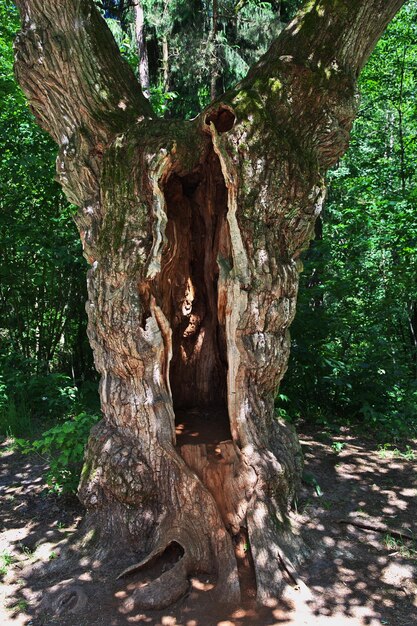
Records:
x=125, y=39
x=354, y=353
x=406, y=548
x=387, y=451
x=197, y=48
x=14, y=419
x=42, y=272
x=6, y=560
x=338, y=446
x=21, y=606
x=63, y=448
x=28, y=397
x=161, y=99
x=196, y=52
x=309, y=479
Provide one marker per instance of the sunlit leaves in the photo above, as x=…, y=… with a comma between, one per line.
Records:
x=354, y=353
x=42, y=271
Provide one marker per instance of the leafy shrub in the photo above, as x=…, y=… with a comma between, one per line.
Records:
x=27, y=396
x=161, y=99
x=14, y=416
x=30, y=400
x=63, y=448
x=14, y=419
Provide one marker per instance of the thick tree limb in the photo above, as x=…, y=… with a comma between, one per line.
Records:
x=81, y=91
x=69, y=66
x=337, y=33
x=313, y=66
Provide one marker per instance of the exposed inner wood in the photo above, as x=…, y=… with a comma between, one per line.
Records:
x=198, y=243
x=245, y=566
x=218, y=467
x=155, y=566
x=196, y=426
x=197, y=236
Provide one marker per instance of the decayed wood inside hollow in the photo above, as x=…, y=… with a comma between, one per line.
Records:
x=197, y=235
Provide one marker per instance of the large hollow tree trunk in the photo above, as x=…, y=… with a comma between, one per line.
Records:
x=193, y=230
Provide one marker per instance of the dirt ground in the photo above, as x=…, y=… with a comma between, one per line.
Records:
x=352, y=577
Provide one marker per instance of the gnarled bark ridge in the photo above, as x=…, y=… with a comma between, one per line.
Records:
x=193, y=231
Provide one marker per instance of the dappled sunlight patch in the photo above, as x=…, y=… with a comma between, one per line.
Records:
x=356, y=576
x=348, y=572
x=202, y=585
x=140, y=618
x=168, y=620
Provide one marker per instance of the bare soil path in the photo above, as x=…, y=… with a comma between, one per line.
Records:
x=353, y=576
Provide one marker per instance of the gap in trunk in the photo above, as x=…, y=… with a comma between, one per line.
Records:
x=245, y=566
x=197, y=234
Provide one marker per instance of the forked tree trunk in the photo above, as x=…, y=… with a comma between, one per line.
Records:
x=194, y=230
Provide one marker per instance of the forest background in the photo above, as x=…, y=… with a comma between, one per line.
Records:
x=354, y=339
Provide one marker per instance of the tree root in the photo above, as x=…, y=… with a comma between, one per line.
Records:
x=162, y=591
x=66, y=597
x=377, y=527
x=72, y=600
x=169, y=558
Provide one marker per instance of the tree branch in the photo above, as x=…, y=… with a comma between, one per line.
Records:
x=341, y=33
x=307, y=79
x=69, y=66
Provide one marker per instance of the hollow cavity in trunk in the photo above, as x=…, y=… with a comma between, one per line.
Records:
x=197, y=234
x=198, y=246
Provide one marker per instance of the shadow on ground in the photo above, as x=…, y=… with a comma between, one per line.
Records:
x=357, y=572
x=354, y=576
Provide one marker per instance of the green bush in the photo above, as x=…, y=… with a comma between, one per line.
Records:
x=29, y=397
x=63, y=448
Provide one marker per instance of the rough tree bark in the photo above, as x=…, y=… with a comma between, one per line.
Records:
x=193, y=231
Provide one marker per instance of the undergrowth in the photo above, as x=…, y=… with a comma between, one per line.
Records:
x=62, y=447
